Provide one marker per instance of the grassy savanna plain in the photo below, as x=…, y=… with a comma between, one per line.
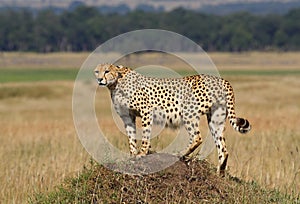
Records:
x=39, y=146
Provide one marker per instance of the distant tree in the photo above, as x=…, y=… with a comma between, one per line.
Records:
x=16, y=30
x=265, y=29
x=291, y=29
x=84, y=28
x=76, y=33
x=280, y=39
x=48, y=33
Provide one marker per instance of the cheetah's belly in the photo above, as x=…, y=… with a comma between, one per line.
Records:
x=167, y=117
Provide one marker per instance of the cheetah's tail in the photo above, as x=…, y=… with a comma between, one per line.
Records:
x=240, y=124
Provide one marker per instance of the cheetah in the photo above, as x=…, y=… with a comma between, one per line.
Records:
x=173, y=102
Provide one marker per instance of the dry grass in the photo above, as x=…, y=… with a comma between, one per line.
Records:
x=257, y=61
x=39, y=146
x=34, y=60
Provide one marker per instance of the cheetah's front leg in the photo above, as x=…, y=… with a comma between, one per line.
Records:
x=147, y=121
x=130, y=126
x=195, y=137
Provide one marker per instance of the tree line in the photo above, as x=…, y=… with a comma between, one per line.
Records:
x=85, y=28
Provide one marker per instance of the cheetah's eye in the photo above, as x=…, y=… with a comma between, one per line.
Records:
x=97, y=72
x=106, y=71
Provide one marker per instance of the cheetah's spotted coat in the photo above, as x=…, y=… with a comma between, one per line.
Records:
x=174, y=102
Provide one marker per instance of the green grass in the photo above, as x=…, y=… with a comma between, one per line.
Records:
x=260, y=72
x=250, y=72
x=29, y=75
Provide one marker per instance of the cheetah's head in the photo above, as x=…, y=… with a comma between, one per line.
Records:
x=108, y=74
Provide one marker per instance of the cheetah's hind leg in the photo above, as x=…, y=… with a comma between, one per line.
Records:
x=216, y=122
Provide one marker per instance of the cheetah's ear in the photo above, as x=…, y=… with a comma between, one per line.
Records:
x=120, y=71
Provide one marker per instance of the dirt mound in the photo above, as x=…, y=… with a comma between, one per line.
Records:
x=193, y=182
x=179, y=183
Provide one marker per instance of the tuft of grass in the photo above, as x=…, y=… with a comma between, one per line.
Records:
x=197, y=182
